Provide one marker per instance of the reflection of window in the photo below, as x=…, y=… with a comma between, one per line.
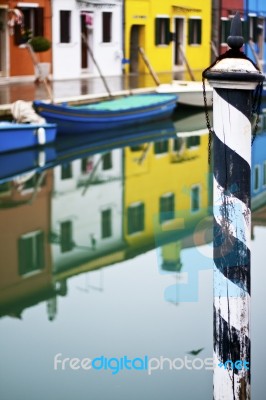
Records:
x=193, y=141
x=194, y=31
x=167, y=207
x=31, y=252
x=107, y=161
x=161, y=147
x=65, y=26
x=162, y=31
x=106, y=222
x=66, y=171
x=66, y=236
x=256, y=177
x=107, y=27
x=195, y=198
x=86, y=165
x=135, y=218
x=136, y=148
x=33, y=19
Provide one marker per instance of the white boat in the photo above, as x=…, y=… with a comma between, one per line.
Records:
x=189, y=93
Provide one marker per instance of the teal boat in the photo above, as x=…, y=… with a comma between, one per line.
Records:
x=118, y=113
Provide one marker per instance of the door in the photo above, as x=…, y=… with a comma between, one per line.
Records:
x=134, y=45
x=178, y=40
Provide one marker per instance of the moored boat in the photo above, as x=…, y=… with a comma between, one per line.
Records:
x=106, y=115
x=190, y=93
x=16, y=136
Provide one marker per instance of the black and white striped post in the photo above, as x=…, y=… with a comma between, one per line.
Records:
x=234, y=78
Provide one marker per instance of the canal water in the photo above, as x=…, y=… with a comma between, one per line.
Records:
x=106, y=266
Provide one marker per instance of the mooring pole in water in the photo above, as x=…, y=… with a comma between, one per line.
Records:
x=234, y=78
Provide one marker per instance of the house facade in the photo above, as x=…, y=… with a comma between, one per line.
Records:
x=169, y=33
x=20, y=20
x=85, y=33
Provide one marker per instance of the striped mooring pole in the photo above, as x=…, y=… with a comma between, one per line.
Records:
x=234, y=79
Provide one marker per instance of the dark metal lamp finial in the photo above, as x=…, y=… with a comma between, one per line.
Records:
x=236, y=40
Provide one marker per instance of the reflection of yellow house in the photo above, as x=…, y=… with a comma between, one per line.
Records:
x=163, y=191
x=165, y=30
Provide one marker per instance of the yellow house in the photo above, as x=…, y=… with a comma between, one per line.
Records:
x=170, y=32
x=166, y=190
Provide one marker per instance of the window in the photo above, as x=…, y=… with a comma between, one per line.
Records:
x=86, y=165
x=225, y=29
x=66, y=171
x=107, y=27
x=162, y=31
x=193, y=141
x=107, y=161
x=167, y=207
x=195, y=198
x=194, y=31
x=65, y=26
x=264, y=174
x=31, y=252
x=135, y=218
x=161, y=147
x=33, y=25
x=106, y=223
x=66, y=236
x=256, y=178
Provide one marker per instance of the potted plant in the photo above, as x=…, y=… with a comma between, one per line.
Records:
x=40, y=44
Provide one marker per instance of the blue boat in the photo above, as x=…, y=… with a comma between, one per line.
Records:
x=16, y=136
x=35, y=159
x=106, y=115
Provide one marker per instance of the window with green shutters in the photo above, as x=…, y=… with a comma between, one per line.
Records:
x=107, y=161
x=162, y=31
x=31, y=252
x=195, y=198
x=161, y=147
x=106, y=223
x=167, y=207
x=66, y=236
x=135, y=218
x=194, y=30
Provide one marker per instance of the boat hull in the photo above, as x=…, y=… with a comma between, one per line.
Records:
x=15, y=136
x=73, y=120
x=189, y=93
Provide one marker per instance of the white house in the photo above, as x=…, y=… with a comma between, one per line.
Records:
x=87, y=209
x=84, y=31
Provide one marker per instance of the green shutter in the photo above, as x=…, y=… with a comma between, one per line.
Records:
x=40, y=250
x=190, y=31
x=167, y=31
x=142, y=216
x=199, y=29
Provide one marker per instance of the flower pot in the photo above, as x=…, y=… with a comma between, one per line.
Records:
x=42, y=71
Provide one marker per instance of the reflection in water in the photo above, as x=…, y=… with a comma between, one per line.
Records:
x=90, y=203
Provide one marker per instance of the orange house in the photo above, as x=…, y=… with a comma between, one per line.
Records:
x=19, y=20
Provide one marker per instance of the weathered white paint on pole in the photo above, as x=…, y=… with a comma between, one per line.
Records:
x=234, y=78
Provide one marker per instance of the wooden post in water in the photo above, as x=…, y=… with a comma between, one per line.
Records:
x=234, y=78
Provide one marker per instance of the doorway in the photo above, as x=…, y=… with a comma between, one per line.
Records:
x=135, y=37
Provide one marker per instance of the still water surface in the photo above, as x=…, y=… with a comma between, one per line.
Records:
x=105, y=250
